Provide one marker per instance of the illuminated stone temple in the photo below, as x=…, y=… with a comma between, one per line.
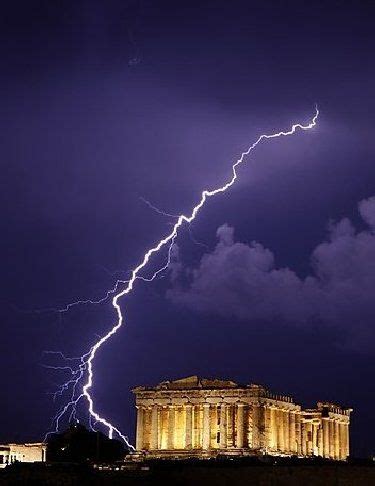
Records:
x=196, y=417
x=28, y=452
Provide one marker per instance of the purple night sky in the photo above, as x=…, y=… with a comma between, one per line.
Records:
x=106, y=103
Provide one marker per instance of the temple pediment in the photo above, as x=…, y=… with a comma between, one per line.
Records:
x=194, y=382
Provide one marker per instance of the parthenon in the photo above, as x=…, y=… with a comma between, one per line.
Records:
x=196, y=417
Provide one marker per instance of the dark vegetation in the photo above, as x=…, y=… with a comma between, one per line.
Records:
x=79, y=445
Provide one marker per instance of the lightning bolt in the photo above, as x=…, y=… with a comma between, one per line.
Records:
x=157, y=210
x=85, y=368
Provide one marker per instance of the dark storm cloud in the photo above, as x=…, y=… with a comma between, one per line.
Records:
x=244, y=281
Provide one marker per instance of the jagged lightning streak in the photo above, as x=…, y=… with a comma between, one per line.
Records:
x=88, y=358
x=157, y=210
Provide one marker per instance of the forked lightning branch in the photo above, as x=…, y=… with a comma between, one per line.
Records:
x=82, y=375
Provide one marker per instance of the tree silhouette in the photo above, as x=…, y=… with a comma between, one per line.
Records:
x=78, y=444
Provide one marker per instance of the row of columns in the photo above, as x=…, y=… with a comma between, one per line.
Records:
x=327, y=438
x=285, y=431
x=282, y=430
x=288, y=432
x=239, y=420
x=335, y=439
x=206, y=426
x=282, y=426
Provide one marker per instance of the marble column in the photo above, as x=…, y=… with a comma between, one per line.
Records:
x=325, y=425
x=273, y=428
x=261, y=427
x=188, y=426
x=337, y=440
x=298, y=434
x=223, y=426
x=286, y=431
x=206, y=426
x=196, y=428
x=240, y=425
x=314, y=439
x=229, y=425
x=154, y=428
x=347, y=442
x=304, y=438
x=139, y=437
x=344, y=441
x=311, y=438
x=171, y=426
x=331, y=439
x=320, y=440
x=341, y=436
x=280, y=430
x=292, y=433
x=267, y=428
x=256, y=425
